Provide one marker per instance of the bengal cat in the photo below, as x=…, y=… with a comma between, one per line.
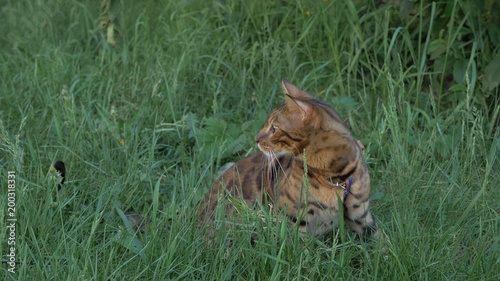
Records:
x=308, y=162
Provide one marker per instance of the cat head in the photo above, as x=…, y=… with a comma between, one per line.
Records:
x=290, y=128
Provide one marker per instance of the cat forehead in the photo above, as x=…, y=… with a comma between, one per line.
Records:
x=278, y=112
x=282, y=116
x=273, y=116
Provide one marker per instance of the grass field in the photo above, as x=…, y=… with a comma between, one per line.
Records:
x=145, y=100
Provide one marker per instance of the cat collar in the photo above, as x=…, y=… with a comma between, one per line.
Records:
x=346, y=185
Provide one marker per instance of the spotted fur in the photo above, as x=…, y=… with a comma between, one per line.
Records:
x=305, y=138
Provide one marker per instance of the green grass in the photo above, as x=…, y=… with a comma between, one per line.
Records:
x=144, y=124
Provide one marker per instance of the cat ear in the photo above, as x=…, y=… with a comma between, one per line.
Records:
x=293, y=91
x=298, y=105
x=293, y=96
x=294, y=99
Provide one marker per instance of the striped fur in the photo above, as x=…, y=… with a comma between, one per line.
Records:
x=302, y=129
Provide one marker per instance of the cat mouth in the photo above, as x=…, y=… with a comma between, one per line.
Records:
x=270, y=152
x=264, y=149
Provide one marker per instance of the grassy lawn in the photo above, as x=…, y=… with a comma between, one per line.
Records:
x=145, y=100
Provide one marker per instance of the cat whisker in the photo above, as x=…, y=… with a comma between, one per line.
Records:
x=271, y=172
x=281, y=167
x=267, y=162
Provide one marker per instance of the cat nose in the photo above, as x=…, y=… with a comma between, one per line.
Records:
x=259, y=136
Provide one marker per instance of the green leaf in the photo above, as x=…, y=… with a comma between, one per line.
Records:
x=491, y=77
x=459, y=70
x=345, y=103
x=126, y=237
x=377, y=195
x=129, y=242
x=436, y=48
x=461, y=88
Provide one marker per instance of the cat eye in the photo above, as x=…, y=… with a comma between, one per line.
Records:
x=274, y=128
